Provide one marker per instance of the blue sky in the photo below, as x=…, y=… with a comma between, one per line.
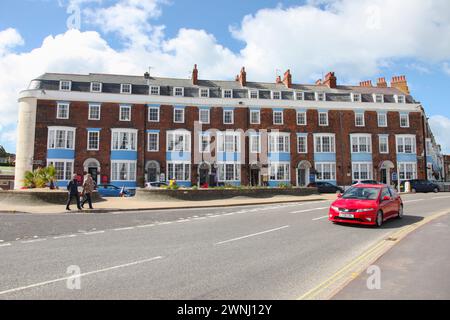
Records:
x=310, y=37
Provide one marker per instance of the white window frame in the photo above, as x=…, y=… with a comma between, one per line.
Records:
x=125, y=85
x=399, y=97
x=131, y=175
x=326, y=113
x=319, y=167
x=225, y=91
x=123, y=107
x=66, y=174
x=357, y=168
x=91, y=105
x=60, y=104
x=62, y=83
x=400, y=141
x=358, y=137
x=222, y=141
x=202, y=90
x=320, y=96
x=402, y=166
x=305, y=117
x=273, y=93
x=319, y=146
x=273, y=142
x=357, y=114
x=88, y=140
x=158, y=113
x=407, y=120
x=274, y=168
x=186, y=178
x=177, y=147
x=382, y=115
x=131, y=137
x=224, y=117
x=51, y=138
x=376, y=96
x=200, y=111
x=176, y=89
x=251, y=141
x=356, y=97
x=157, y=141
x=299, y=95
x=100, y=86
x=380, y=137
x=201, y=138
x=253, y=91
x=259, y=116
x=174, y=115
x=274, y=115
x=222, y=167
x=305, y=137
x=158, y=90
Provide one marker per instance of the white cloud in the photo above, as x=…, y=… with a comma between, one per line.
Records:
x=9, y=38
x=441, y=129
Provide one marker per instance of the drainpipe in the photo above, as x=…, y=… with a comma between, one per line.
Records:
x=424, y=122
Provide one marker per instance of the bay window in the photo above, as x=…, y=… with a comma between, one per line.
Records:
x=406, y=144
x=61, y=138
x=407, y=170
x=325, y=171
x=324, y=143
x=123, y=170
x=229, y=171
x=361, y=143
x=178, y=171
x=279, y=171
x=362, y=170
x=228, y=141
x=279, y=142
x=179, y=141
x=63, y=168
x=124, y=139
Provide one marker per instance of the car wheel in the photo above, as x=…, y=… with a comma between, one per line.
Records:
x=413, y=190
x=436, y=190
x=400, y=212
x=379, y=220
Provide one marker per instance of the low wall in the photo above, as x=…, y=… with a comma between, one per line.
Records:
x=218, y=194
x=38, y=197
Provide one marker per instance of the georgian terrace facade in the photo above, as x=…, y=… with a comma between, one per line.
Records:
x=126, y=130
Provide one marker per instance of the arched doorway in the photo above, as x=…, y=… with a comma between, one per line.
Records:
x=255, y=175
x=152, y=170
x=385, y=171
x=303, y=171
x=204, y=171
x=92, y=166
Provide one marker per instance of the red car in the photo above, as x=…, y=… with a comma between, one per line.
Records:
x=366, y=204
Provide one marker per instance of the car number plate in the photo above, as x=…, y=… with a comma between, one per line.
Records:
x=346, y=215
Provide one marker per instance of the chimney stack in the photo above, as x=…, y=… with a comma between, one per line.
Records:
x=287, y=79
x=400, y=83
x=195, y=75
x=381, y=83
x=319, y=82
x=278, y=80
x=330, y=80
x=243, y=77
x=367, y=83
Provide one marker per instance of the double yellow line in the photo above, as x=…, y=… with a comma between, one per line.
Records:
x=350, y=271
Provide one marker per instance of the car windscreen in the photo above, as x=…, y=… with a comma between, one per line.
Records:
x=362, y=193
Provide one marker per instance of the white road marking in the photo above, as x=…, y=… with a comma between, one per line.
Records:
x=94, y=232
x=315, y=209
x=32, y=241
x=252, y=235
x=199, y=218
x=146, y=225
x=441, y=197
x=5, y=244
x=163, y=223
x=65, y=236
x=123, y=229
x=320, y=218
x=40, y=284
x=407, y=201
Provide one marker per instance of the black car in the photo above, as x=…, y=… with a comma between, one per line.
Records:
x=420, y=186
x=325, y=187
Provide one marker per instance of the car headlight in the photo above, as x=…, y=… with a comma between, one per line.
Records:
x=334, y=208
x=365, y=210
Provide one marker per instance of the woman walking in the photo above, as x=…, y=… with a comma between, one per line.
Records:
x=88, y=188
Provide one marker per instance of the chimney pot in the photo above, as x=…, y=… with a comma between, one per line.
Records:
x=400, y=83
x=330, y=80
x=242, y=77
x=287, y=79
x=195, y=75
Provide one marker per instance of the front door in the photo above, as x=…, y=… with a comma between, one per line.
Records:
x=254, y=177
x=383, y=176
x=152, y=175
x=302, y=177
x=204, y=175
x=94, y=174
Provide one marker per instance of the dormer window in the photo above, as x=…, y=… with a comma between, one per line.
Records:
x=227, y=93
x=253, y=94
x=65, y=85
x=356, y=97
x=276, y=95
x=96, y=87
x=154, y=90
x=400, y=99
x=204, y=93
x=125, y=88
x=178, y=92
x=378, y=98
x=299, y=95
x=320, y=96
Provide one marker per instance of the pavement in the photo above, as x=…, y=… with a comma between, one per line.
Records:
x=256, y=252
x=131, y=204
x=415, y=269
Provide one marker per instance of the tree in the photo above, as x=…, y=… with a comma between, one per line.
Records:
x=3, y=152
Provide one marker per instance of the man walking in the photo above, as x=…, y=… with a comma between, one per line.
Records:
x=72, y=188
x=88, y=188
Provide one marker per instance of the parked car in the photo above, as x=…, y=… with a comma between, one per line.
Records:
x=153, y=185
x=366, y=204
x=365, y=182
x=325, y=187
x=420, y=186
x=109, y=190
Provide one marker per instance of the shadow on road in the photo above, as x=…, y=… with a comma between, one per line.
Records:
x=389, y=224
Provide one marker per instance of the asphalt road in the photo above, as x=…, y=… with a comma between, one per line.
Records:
x=258, y=252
